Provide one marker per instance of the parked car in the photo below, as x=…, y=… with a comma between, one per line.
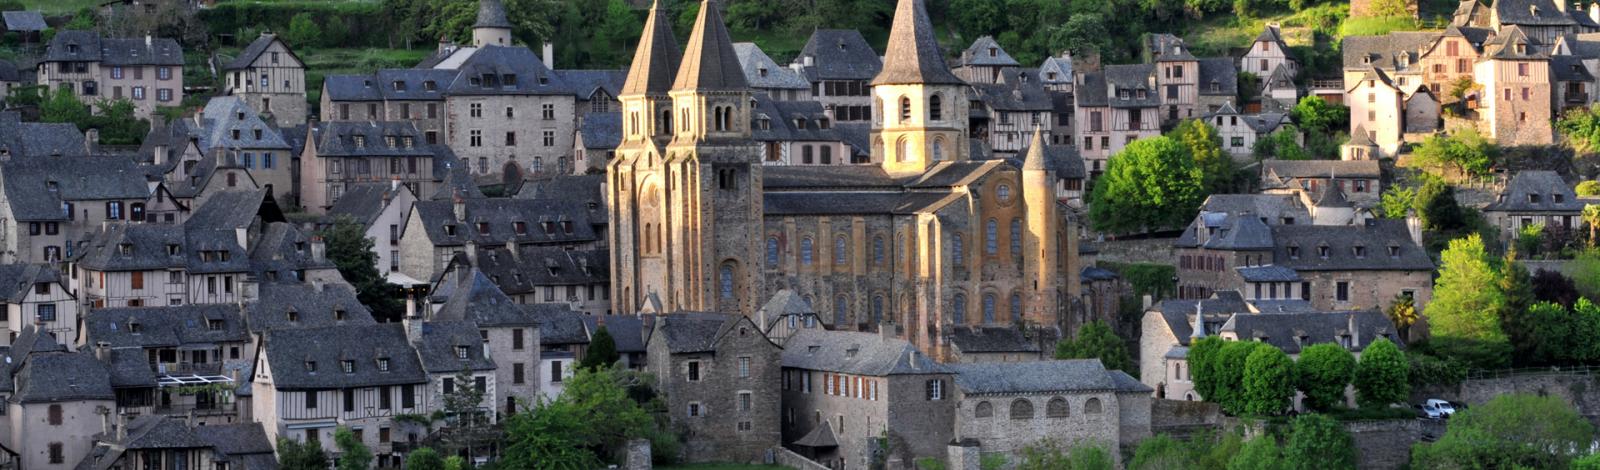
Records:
x=1428, y=412
x=1443, y=408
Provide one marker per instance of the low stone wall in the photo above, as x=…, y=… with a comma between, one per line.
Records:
x=1180, y=419
x=788, y=458
x=1577, y=386
x=1384, y=444
x=1148, y=250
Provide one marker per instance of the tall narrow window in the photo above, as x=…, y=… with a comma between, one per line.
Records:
x=727, y=281
x=988, y=309
x=1016, y=237
x=772, y=252
x=991, y=242
x=877, y=310
x=935, y=108
x=805, y=251
x=840, y=250
x=840, y=306
x=958, y=309
x=958, y=250
x=905, y=109
x=1016, y=308
x=877, y=250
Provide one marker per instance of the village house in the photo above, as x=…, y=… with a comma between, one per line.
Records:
x=1239, y=131
x=37, y=296
x=56, y=402
x=270, y=78
x=1534, y=197
x=1359, y=180
x=720, y=379
x=146, y=71
x=765, y=75
x=840, y=66
x=438, y=230
x=381, y=210
x=47, y=201
x=1267, y=53
x=184, y=347
x=160, y=441
x=798, y=133
x=228, y=124
x=342, y=155
x=511, y=337
x=1115, y=106
x=1516, y=80
x=1007, y=407
x=978, y=343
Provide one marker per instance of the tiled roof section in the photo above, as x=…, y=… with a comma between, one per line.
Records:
x=1127, y=384
x=952, y=174
x=688, y=332
x=1292, y=332
x=1165, y=47
x=1396, y=50
x=986, y=52
x=1585, y=45
x=503, y=70
x=253, y=51
x=1218, y=209
x=1376, y=238
x=232, y=124
x=1244, y=232
x=25, y=21
x=441, y=343
x=457, y=183
x=856, y=353
x=1553, y=194
x=1064, y=159
x=709, y=61
x=586, y=83
x=1096, y=273
x=656, y=57
x=88, y=46
x=1179, y=314
x=1018, y=90
x=991, y=339
x=1531, y=12
x=792, y=121
x=291, y=306
x=351, y=88
x=1221, y=72
x=761, y=71
x=807, y=177
x=30, y=340
x=1565, y=68
x=8, y=72
x=1106, y=88
x=839, y=54
x=235, y=209
x=131, y=368
x=169, y=326
x=578, y=189
x=1061, y=67
x=783, y=303
x=558, y=325
x=62, y=376
x=847, y=203
x=412, y=84
x=1268, y=273
x=238, y=439
x=493, y=222
x=363, y=202
x=627, y=331
x=469, y=295
x=601, y=130
x=309, y=358
x=529, y=268
x=38, y=187
x=18, y=279
x=162, y=432
x=1271, y=33
x=1513, y=44
x=1073, y=375
x=491, y=14
x=339, y=139
x=282, y=251
x=136, y=247
x=912, y=55
x=1322, y=168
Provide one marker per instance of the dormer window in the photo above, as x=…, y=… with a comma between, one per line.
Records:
x=1533, y=198
x=72, y=48
x=399, y=85
x=549, y=227
x=1294, y=252
x=125, y=248
x=52, y=186
x=474, y=81
x=311, y=366
x=483, y=228
x=430, y=85
x=135, y=328
x=360, y=141
x=1394, y=251
x=824, y=123
x=566, y=226
x=338, y=314
x=1557, y=198
x=348, y=366
x=1142, y=94
x=509, y=79
x=461, y=352
x=172, y=249
x=257, y=133
x=294, y=317
x=1122, y=94
x=214, y=324
x=1359, y=251
x=1322, y=252
x=1522, y=48
x=450, y=230
x=993, y=51
x=521, y=227
x=762, y=72
x=383, y=364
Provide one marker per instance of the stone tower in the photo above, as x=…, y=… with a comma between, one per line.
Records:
x=635, y=175
x=919, y=106
x=714, y=174
x=493, y=27
x=1041, y=241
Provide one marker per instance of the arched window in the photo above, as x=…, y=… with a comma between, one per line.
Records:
x=988, y=309
x=772, y=252
x=1057, y=408
x=1021, y=408
x=727, y=281
x=827, y=154
x=1016, y=308
x=683, y=120
x=649, y=238
x=805, y=251
x=877, y=250
x=841, y=305
x=905, y=109
x=877, y=110
x=935, y=108
x=877, y=309
x=1092, y=406
x=958, y=250
x=666, y=121
x=1016, y=237
x=841, y=252
x=938, y=150
x=902, y=150
x=991, y=237
x=958, y=309
x=983, y=410
x=1003, y=192
x=877, y=146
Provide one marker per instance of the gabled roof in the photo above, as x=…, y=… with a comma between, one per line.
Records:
x=585, y=84
x=988, y=53
x=1017, y=90
x=1513, y=44
x=1165, y=47
x=912, y=55
x=506, y=70
x=363, y=202
x=339, y=139
x=38, y=187
x=1104, y=88
x=762, y=72
x=223, y=115
x=309, y=358
x=1270, y=33
x=60, y=376
x=1244, y=232
x=439, y=347
x=1061, y=66
x=558, y=325
x=601, y=130
x=313, y=306
x=627, y=331
x=567, y=222
x=25, y=21
x=1322, y=168
x=1222, y=72
x=1375, y=238
x=88, y=46
x=709, y=61
x=792, y=121
x=695, y=332
x=1292, y=332
x=165, y=327
x=991, y=339
x=17, y=280
x=255, y=49
x=1033, y=377
x=1399, y=49
x=1531, y=13
x=856, y=353
x=655, y=58
x=1547, y=186
x=839, y=54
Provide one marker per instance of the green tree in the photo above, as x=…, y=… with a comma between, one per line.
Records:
x=1403, y=313
x=602, y=351
x=1269, y=379
x=84, y=20
x=336, y=34
x=1203, y=355
x=594, y=413
x=1466, y=296
x=1510, y=431
x=63, y=106
x=27, y=95
x=1528, y=239
x=1516, y=287
x=1551, y=336
x=423, y=459
x=1082, y=34
x=1282, y=144
x=1152, y=183
x=1436, y=205
x=464, y=402
x=303, y=31
x=1587, y=462
x=1050, y=455
x=1097, y=341
x=1205, y=145
x=1381, y=376
x=1397, y=202
x=1261, y=453
x=1229, y=368
x=1588, y=188
x=1584, y=269
x=1591, y=217
x=1581, y=127
x=1552, y=286
x=1465, y=151
x=296, y=455
x=1159, y=453
x=619, y=30
x=974, y=18
x=456, y=462
x=1322, y=373
x=1317, y=116
x=351, y=252
x=1317, y=442
x=117, y=123
x=353, y=455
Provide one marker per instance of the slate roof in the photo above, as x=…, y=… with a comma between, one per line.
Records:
x=686, y=333
x=1271, y=33
x=986, y=52
x=809, y=177
x=25, y=21
x=1531, y=12
x=1329, y=195
x=165, y=327
x=338, y=139
x=235, y=209
x=469, y=295
x=38, y=139
x=839, y=54
x=363, y=202
x=1566, y=68
x=38, y=187
x=1165, y=47
x=457, y=183
x=586, y=83
x=1268, y=273
x=856, y=353
x=1073, y=375
x=791, y=121
x=991, y=339
x=1505, y=46
x=567, y=222
x=1396, y=50
x=1376, y=237
x=113, y=51
x=9, y=72
x=350, y=88
x=601, y=130
x=1018, y=90
x=843, y=203
x=492, y=64
x=627, y=331
x=225, y=114
x=1242, y=233
x=1102, y=88
x=289, y=350
x=764, y=73
x=1063, y=159
x=313, y=307
x=253, y=51
x=913, y=55
x=1222, y=72
x=491, y=14
x=1547, y=185
x=162, y=432
x=30, y=340
x=412, y=84
x=656, y=58
x=1179, y=314
x=709, y=61
x=60, y=376
x=282, y=252
x=143, y=247
x=238, y=439
x=1062, y=66
x=558, y=325
x=17, y=279
x=1282, y=329
x=440, y=342
x=1322, y=168
x=130, y=368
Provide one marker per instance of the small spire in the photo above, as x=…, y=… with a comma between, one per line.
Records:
x=913, y=55
x=709, y=62
x=492, y=14
x=1035, y=160
x=655, y=61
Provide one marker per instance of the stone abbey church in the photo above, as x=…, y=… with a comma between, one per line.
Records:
x=926, y=237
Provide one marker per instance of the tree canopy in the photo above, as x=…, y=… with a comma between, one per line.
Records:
x=1205, y=146
x=1096, y=341
x=424, y=459
x=1269, y=379
x=602, y=351
x=298, y=455
x=1581, y=127
x=351, y=252
x=353, y=454
x=1318, y=442
x=1466, y=296
x=1381, y=377
x=1322, y=373
x=588, y=424
x=1465, y=151
x=1510, y=431
x=1153, y=183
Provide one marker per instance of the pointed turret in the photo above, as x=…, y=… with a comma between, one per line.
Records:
x=655, y=61
x=709, y=62
x=913, y=55
x=1036, y=159
x=493, y=27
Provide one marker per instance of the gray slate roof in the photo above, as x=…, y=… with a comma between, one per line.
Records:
x=1531, y=12
x=440, y=342
x=1222, y=72
x=165, y=327
x=1035, y=377
x=585, y=84
x=88, y=46
x=986, y=52
x=38, y=139
x=856, y=353
x=709, y=61
x=289, y=350
x=567, y=222
x=312, y=307
x=1322, y=168
x=692, y=332
x=913, y=55
x=225, y=114
x=17, y=280
x=1396, y=50
x=1103, y=88
x=1375, y=237
x=492, y=14
x=1282, y=329
x=655, y=58
x=257, y=47
x=1017, y=90
x=1546, y=185
x=363, y=202
x=558, y=325
x=601, y=130
x=469, y=295
x=60, y=376
x=491, y=66
x=1268, y=273
x=991, y=339
x=1242, y=232
x=38, y=187
x=338, y=139
x=839, y=54
x=627, y=331
x=25, y=21
x=762, y=72
x=791, y=121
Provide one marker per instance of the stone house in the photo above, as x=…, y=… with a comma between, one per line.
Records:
x=765, y=75
x=1239, y=131
x=843, y=392
x=719, y=376
x=797, y=133
x=341, y=155
x=498, y=93
x=1013, y=107
x=1398, y=55
x=56, y=402
x=1534, y=197
x=1007, y=407
x=382, y=210
x=270, y=78
x=37, y=296
x=1267, y=52
x=407, y=95
x=840, y=66
x=1279, y=87
x=154, y=441
x=1516, y=80
x=47, y=201
x=596, y=142
x=513, y=338
x=146, y=71
x=178, y=346
x=436, y=231
x=452, y=350
x=229, y=124
x=1377, y=106
x=1423, y=115
x=984, y=61
x=1359, y=180
x=976, y=343
x=1114, y=107
x=1571, y=82
x=1450, y=58
x=1542, y=20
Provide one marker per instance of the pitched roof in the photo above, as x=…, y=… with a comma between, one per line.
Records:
x=162, y=432
x=601, y=130
x=1565, y=68
x=1512, y=44
x=257, y=47
x=1552, y=191
x=838, y=54
x=1292, y=332
x=1179, y=314
x=17, y=279
x=441, y=343
x=811, y=177
x=1104, y=88
x=792, y=121
x=363, y=202
x=586, y=83
x=1375, y=238
x=709, y=61
x=1322, y=168
x=1061, y=66
x=558, y=324
x=1268, y=273
x=313, y=306
x=491, y=14
x=1243, y=233
x=1271, y=33
x=23, y=20
x=165, y=327
x=1531, y=12
x=339, y=139
x=38, y=187
x=60, y=376
x=986, y=52
x=627, y=331
x=544, y=221
x=991, y=339
x=856, y=353
x=912, y=55
x=760, y=71
x=844, y=203
x=1399, y=49
x=1017, y=90
x=693, y=332
x=89, y=46
x=1033, y=377
x=309, y=358
x=469, y=295
x=506, y=70
x=231, y=123
x=1165, y=47
x=655, y=59
x=1221, y=72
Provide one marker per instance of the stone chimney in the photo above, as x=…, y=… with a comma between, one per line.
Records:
x=319, y=249
x=1414, y=226
x=549, y=55
x=1199, y=323
x=1355, y=334
x=472, y=252
x=91, y=140
x=102, y=351
x=460, y=207
x=394, y=183
x=1594, y=12
x=515, y=250
x=413, y=321
x=149, y=41
x=249, y=289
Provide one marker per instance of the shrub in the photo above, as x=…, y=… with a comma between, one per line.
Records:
x=1322, y=373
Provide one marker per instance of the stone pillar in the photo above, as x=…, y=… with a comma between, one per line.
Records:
x=964, y=454
x=638, y=455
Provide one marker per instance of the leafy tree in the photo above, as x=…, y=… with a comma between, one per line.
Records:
x=752, y=15
x=27, y=95
x=117, y=123
x=1461, y=87
x=602, y=351
x=1159, y=453
x=1584, y=269
x=1466, y=296
x=1591, y=216
x=974, y=18
x=1587, y=462
x=1322, y=373
x=1261, y=453
x=1152, y=183
x=1229, y=368
x=1397, y=202
x=1205, y=145
x=1203, y=355
x=1317, y=116
x=1436, y=205
x=1403, y=313
x=619, y=33
x=296, y=455
x=1097, y=341
x=1269, y=378
x=464, y=402
x=1516, y=285
x=1582, y=128
x=353, y=455
x=1528, y=238
x=424, y=459
x=1082, y=34
x=1318, y=442
x=63, y=106
x=1381, y=377
x=1050, y=455
x=1551, y=336
x=1466, y=151
x=84, y=20
x=351, y=252
x=1551, y=286
x=303, y=31
x=456, y=462
x=1282, y=144
x=1510, y=431
x=594, y=416
x=335, y=34
x=1588, y=188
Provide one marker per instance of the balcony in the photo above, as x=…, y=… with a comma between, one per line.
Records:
x=188, y=368
x=199, y=409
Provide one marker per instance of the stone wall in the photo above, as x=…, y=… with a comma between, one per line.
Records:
x=787, y=458
x=1179, y=418
x=1576, y=387
x=1384, y=444
x=1149, y=250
